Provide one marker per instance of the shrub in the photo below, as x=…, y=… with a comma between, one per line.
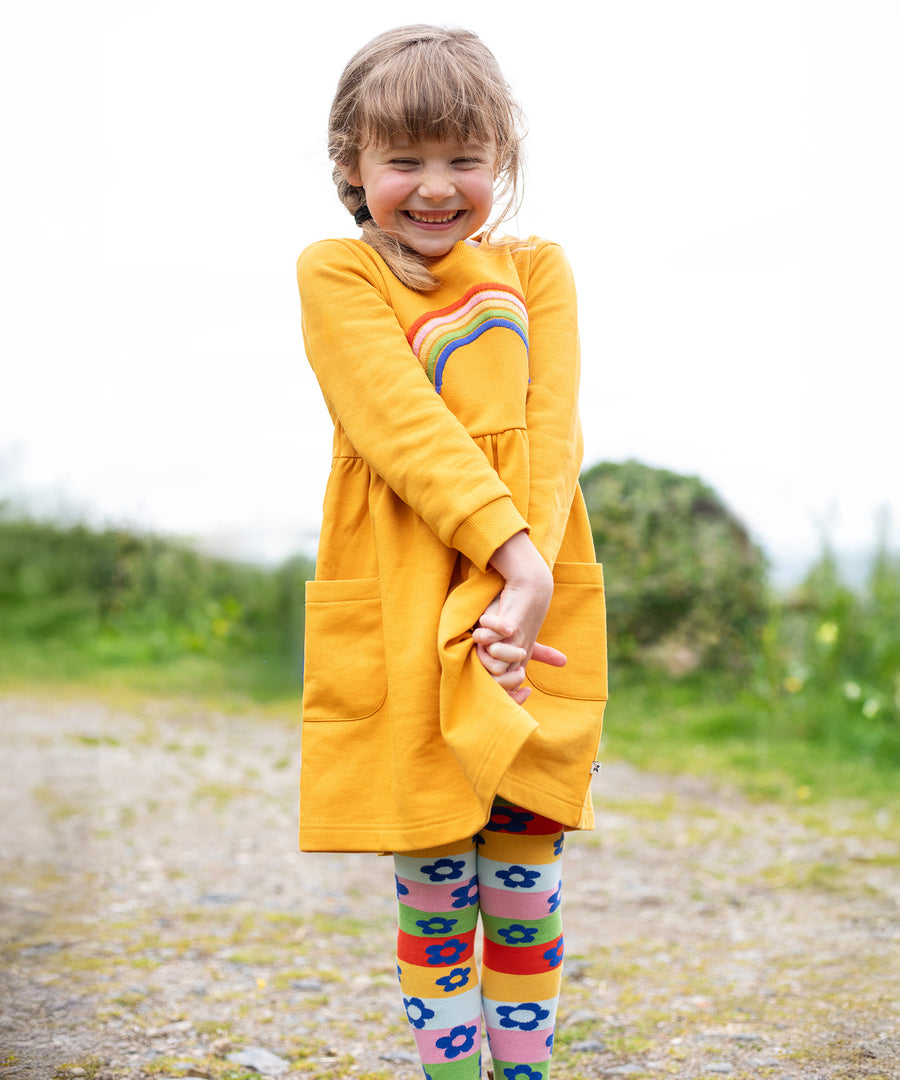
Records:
x=685, y=583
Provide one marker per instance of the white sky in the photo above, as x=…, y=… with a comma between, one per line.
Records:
x=723, y=176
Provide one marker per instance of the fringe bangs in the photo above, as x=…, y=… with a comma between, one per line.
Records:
x=425, y=95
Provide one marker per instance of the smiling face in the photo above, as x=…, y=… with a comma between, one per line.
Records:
x=429, y=194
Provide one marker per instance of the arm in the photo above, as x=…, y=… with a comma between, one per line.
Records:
x=505, y=638
x=554, y=428
x=377, y=390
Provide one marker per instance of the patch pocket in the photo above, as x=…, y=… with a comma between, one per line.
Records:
x=576, y=625
x=344, y=675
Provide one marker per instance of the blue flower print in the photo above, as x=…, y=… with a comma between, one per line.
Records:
x=460, y=1041
x=554, y=956
x=417, y=1012
x=523, y=1017
x=436, y=925
x=401, y=888
x=558, y=844
x=466, y=895
x=517, y=877
x=446, y=952
x=548, y=1042
x=457, y=978
x=517, y=934
x=508, y=819
x=521, y=1072
x=444, y=869
x=554, y=900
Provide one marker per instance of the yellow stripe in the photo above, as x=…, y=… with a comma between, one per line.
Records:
x=519, y=848
x=498, y=986
x=422, y=981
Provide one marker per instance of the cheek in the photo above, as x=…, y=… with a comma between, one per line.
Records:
x=483, y=193
x=387, y=193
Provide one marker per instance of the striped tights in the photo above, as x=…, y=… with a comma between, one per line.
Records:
x=510, y=874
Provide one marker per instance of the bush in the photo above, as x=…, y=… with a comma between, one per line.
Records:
x=685, y=584
x=120, y=597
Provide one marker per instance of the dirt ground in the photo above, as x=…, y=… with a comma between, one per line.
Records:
x=158, y=921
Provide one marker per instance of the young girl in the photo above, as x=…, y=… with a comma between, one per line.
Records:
x=434, y=725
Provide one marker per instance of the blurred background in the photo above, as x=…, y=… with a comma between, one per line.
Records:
x=723, y=178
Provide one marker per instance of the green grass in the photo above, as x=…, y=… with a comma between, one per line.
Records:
x=706, y=727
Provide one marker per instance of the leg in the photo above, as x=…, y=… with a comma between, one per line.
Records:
x=519, y=864
x=438, y=896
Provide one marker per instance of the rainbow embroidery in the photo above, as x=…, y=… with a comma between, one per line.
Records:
x=438, y=334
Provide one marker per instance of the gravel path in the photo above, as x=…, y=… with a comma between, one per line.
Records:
x=158, y=921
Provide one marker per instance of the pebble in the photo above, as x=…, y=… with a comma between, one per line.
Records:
x=624, y=1070
x=260, y=1060
x=720, y=1068
x=589, y=1046
x=175, y=1028
x=399, y=1058
x=580, y=1016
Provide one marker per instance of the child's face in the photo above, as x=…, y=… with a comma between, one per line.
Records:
x=428, y=194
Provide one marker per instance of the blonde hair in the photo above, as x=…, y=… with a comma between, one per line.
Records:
x=423, y=83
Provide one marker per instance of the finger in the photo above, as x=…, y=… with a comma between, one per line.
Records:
x=490, y=663
x=492, y=621
x=483, y=636
x=510, y=654
x=546, y=654
x=520, y=695
x=511, y=679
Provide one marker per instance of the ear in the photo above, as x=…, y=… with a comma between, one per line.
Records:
x=350, y=173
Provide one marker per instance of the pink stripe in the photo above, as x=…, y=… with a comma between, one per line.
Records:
x=432, y=897
x=526, y=1047
x=457, y=313
x=512, y=904
x=434, y=1055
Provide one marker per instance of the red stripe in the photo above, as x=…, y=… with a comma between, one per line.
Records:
x=488, y=286
x=413, y=949
x=538, y=826
x=518, y=959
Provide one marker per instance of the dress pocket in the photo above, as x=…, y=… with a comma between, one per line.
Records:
x=344, y=675
x=575, y=624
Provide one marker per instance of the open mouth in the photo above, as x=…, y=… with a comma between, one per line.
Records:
x=433, y=217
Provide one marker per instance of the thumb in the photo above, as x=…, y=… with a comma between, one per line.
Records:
x=546, y=654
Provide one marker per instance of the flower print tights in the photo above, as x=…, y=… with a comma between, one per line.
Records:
x=510, y=872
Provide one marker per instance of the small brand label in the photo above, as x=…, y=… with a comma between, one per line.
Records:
x=595, y=767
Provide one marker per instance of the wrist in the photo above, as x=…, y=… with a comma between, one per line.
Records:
x=518, y=561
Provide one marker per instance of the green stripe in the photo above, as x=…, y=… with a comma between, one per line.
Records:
x=548, y=929
x=465, y=919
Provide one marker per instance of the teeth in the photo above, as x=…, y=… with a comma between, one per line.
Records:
x=433, y=220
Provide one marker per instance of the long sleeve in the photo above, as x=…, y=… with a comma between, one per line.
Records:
x=554, y=428
x=379, y=393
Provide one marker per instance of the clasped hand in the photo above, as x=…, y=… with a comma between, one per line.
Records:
x=506, y=635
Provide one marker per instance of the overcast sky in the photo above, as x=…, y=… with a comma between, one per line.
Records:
x=723, y=176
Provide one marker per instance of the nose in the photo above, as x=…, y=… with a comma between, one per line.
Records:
x=437, y=183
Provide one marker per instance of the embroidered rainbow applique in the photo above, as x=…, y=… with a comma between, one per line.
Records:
x=436, y=335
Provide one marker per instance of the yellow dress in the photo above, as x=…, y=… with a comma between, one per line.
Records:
x=455, y=427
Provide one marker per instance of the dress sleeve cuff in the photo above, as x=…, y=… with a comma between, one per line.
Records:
x=479, y=536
